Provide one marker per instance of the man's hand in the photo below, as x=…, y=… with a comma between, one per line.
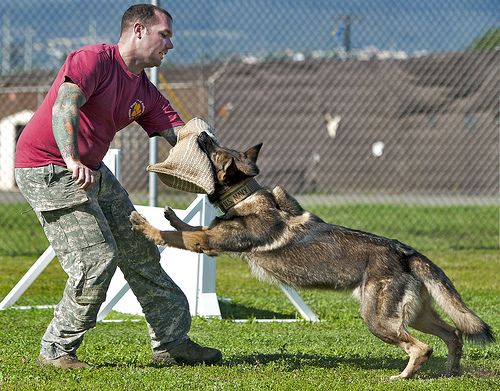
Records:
x=82, y=175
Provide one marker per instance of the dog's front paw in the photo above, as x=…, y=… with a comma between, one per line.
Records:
x=172, y=217
x=138, y=222
x=169, y=213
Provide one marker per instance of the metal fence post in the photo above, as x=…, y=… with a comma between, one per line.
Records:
x=153, y=142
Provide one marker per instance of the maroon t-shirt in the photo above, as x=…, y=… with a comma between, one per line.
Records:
x=115, y=98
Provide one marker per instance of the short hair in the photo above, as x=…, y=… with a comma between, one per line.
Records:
x=144, y=13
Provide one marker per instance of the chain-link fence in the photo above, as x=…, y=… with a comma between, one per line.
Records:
x=379, y=115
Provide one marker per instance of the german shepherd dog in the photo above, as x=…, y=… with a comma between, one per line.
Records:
x=285, y=244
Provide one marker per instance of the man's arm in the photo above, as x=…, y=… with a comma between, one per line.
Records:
x=65, y=124
x=170, y=134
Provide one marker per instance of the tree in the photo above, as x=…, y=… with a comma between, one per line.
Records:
x=490, y=40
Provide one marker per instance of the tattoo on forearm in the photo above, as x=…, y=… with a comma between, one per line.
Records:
x=170, y=134
x=66, y=119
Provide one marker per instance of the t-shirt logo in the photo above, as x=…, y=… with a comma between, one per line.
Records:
x=136, y=109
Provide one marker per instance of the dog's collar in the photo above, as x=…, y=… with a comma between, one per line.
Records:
x=238, y=194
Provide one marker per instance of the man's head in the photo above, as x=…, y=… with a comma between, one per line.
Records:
x=145, y=36
x=143, y=13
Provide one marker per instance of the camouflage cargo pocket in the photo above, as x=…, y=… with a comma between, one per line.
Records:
x=71, y=229
x=49, y=187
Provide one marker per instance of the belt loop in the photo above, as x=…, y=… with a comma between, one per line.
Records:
x=50, y=174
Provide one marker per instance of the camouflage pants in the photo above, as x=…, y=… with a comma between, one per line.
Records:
x=91, y=235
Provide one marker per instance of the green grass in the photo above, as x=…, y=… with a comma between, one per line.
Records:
x=20, y=232
x=338, y=353
x=422, y=227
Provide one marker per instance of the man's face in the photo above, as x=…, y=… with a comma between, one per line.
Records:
x=157, y=40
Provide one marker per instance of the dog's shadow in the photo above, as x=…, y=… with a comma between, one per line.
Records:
x=292, y=362
x=237, y=311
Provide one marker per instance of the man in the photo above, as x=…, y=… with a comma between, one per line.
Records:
x=82, y=207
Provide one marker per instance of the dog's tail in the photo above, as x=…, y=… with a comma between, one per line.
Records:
x=444, y=293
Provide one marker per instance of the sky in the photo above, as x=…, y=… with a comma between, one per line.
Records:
x=210, y=28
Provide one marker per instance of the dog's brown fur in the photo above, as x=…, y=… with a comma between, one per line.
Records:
x=283, y=243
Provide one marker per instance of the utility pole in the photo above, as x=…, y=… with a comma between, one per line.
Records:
x=6, y=45
x=347, y=19
x=28, y=49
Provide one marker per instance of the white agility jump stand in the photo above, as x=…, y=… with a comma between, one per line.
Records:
x=194, y=273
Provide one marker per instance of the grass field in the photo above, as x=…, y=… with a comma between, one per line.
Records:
x=337, y=353
x=423, y=227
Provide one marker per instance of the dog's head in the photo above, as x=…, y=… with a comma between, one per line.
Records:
x=230, y=167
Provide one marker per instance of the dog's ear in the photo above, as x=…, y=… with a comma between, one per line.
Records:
x=253, y=152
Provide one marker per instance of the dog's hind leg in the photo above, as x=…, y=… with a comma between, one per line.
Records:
x=419, y=353
x=388, y=324
x=428, y=321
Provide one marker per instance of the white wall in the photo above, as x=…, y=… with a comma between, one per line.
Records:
x=8, y=146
